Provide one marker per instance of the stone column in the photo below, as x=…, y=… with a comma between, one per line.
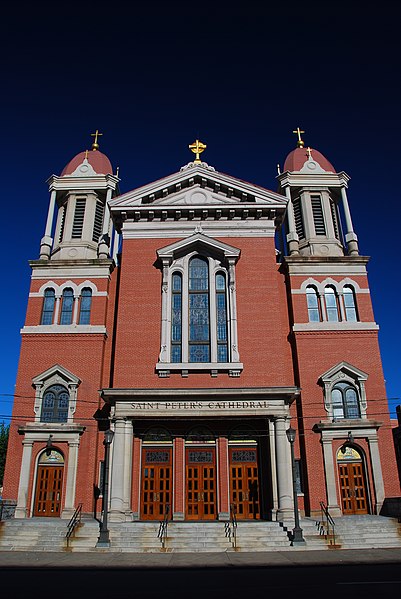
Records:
x=284, y=471
x=136, y=478
x=75, y=309
x=117, y=510
x=273, y=468
x=57, y=309
x=331, y=480
x=128, y=466
x=377, y=473
x=21, y=508
x=224, y=479
x=178, y=507
x=69, y=503
x=47, y=241
x=292, y=236
x=350, y=237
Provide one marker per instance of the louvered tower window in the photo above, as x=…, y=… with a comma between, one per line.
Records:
x=334, y=216
x=318, y=218
x=299, y=225
x=98, y=222
x=79, y=215
x=62, y=223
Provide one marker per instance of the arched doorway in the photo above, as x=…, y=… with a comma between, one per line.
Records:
x=49, y=485
x=352, y=479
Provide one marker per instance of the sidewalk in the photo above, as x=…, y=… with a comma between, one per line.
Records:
x=104, y=559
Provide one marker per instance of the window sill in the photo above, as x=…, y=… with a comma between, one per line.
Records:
x=233, y=369
x=64, y=328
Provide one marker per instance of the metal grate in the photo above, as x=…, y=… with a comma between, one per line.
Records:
x=79, y=215
x=318, y=218
x=299, y=225
x=98, y=222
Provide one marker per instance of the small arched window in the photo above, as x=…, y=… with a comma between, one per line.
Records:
x=345, y=401
x=350, y=304
x=55, y=404
x=66, y=306
x=85, y=307
x=48, y=307
x=331, y=300
x=312, y=300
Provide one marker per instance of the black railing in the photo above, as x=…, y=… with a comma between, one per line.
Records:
x=162, y=534
x=326, y=524
x=75, y=520
x=230, y=527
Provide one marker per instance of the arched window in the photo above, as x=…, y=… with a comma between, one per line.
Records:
x=345, y=401
x=48, y=307
x=199, y=311
x=85, y=307
x=176, y=318
x=221, y=318
x=331, y=300
x=349, y=304
x=312, y=300
x=66, y=306
x=55, y=404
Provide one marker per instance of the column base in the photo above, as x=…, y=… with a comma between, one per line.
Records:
x=115, y=516
x=20, y=512
x=285, y=515
x=224, y=516
x=178, y=516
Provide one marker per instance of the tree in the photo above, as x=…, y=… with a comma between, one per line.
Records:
x=4, y=430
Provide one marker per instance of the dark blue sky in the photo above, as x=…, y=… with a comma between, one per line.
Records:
x=153, y=79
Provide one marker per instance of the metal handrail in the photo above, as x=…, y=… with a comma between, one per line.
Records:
x=327, y=524
x=230, y=527
x=75, y=519
x=162, y=534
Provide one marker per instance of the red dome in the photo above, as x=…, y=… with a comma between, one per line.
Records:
x=98, y=161
x=297, y=158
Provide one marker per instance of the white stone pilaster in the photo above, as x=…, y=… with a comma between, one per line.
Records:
x=377, y=473
x=129, y=441
x=72, y=467
x=331, y=480
x=21, y=509
x=117, y=508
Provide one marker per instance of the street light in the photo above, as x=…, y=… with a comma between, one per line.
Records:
x=104, y=537
x=297, y=537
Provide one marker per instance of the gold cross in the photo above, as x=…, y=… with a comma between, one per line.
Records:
x=95, y=145
x=298, y=131
x=309, y=152
x=197, y=148
x=86, y=154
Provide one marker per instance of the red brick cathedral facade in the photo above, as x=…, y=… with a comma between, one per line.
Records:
x=168, y=315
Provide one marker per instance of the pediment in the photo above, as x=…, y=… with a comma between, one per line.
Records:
x=56, y=371
x=345, y=368
x=198, y=241
x=198, y=186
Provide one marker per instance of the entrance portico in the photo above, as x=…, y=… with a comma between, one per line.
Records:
x=199, y=451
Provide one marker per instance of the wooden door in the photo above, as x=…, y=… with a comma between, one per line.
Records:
x=353, y=488
x=201, y=484
x=244, y=483
x=49, y=485
x=156, y=483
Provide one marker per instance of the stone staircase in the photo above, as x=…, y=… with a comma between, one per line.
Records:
x=48, y=534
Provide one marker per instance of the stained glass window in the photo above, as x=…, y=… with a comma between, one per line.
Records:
x=345, y=401
x=313, y=304
x=48, y=307
x=66, y=306
x=349, y=304
x=176, y=318
x=55, y=404
x=331, y=304
x=199, y=317
x=85, y=309
x=221, y=318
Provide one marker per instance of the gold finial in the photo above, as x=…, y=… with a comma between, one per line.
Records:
x=95, y=145
x=309, y=152
x=298, y=131
x=197, y=148
x=86, y=154
x=278, y=169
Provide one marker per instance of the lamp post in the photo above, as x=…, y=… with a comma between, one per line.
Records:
x=297, y=537
x=104, y=537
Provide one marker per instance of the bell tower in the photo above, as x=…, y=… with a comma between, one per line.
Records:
x=317, y=197
x=83, y=228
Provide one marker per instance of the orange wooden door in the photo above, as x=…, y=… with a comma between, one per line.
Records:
x=49, y=485
x=156, y=483
x=353, y=488
x=244, y=483
x=201, y=484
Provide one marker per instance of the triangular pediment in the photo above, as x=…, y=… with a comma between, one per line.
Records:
x=197, y=242
x=346, y=368
x=198, y=186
